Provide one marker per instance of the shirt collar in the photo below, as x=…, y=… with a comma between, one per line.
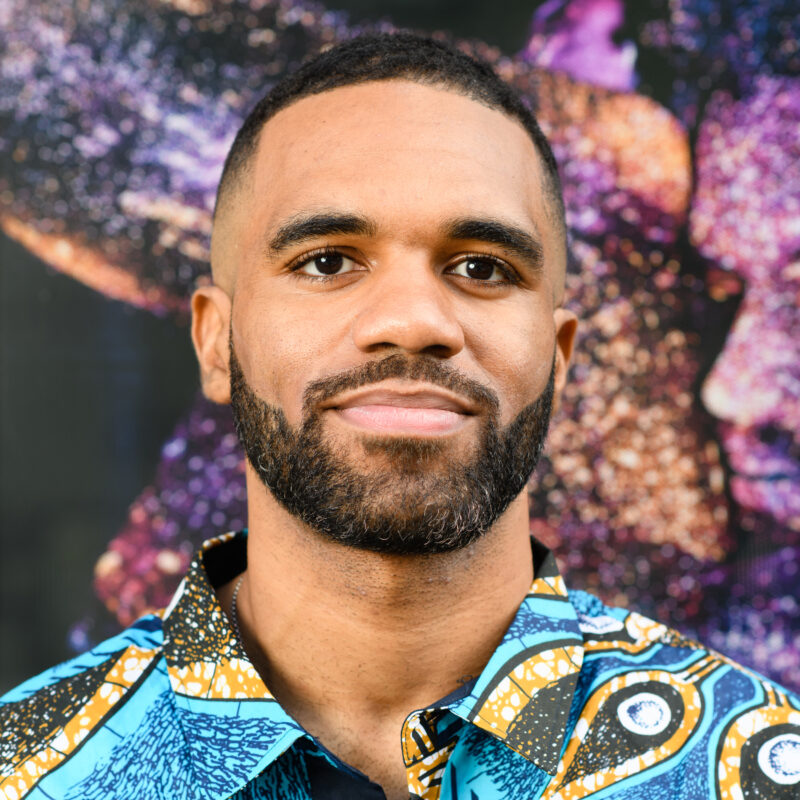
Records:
x=522, y=697
x=232, y=725
x=524, y=694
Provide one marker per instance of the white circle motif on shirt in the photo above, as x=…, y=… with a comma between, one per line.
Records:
x=779, y=758
x=645, y=713
x=600, y=625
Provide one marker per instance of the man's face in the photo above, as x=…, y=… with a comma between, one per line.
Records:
x=744, y=219
x=395, y=278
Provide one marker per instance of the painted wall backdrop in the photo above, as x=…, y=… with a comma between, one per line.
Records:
x=672, y=479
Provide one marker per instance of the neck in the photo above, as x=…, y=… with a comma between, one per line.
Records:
x=335, y=630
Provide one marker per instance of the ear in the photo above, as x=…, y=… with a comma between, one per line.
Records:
x=211, y=320
x=566, y=324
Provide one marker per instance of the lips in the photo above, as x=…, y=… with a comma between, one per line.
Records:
x=404, y=408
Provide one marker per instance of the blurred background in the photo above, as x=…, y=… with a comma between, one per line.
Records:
x=672, y=479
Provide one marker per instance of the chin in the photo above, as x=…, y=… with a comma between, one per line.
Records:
x=417, y=454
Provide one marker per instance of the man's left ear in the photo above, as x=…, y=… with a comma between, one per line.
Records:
x=566, y=324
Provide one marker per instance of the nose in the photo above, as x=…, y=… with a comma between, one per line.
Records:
x=408, y=307
x=747, y=386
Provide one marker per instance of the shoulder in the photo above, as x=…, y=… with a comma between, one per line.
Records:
x=681, y=709
x=47, y=721
x=617, y=638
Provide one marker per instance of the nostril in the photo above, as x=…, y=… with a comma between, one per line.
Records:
x=770, y=434
x=780, y=439
x=438, y=350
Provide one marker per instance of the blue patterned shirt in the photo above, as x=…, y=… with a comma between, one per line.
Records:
x=579, y=700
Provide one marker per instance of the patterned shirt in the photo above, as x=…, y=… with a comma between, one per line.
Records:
x=579, y=700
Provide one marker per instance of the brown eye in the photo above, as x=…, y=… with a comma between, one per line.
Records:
x=480, y=269
x=327, y=264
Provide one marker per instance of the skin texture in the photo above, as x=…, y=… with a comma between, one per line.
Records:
x=351, y=641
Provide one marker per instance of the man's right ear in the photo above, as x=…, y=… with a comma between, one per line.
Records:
x=211, y=321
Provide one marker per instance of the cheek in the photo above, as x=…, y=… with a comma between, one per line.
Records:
x=279, y=348
x=515, y=350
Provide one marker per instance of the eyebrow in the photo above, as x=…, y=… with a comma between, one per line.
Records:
x=509, y=237
x=302, y=228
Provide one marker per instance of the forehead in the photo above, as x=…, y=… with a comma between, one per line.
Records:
x=395, y=148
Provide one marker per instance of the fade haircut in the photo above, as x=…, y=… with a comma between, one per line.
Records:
x=387, y=56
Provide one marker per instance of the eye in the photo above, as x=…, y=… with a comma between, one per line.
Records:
x=325, y=264
x=481, y=268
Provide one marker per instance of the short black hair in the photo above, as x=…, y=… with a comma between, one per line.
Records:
x=387, y=56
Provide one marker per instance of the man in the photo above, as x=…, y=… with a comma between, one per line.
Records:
x=385, y=320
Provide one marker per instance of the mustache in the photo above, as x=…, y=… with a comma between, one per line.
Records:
x=419, y=368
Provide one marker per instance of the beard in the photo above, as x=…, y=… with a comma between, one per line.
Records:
x=419, y=501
